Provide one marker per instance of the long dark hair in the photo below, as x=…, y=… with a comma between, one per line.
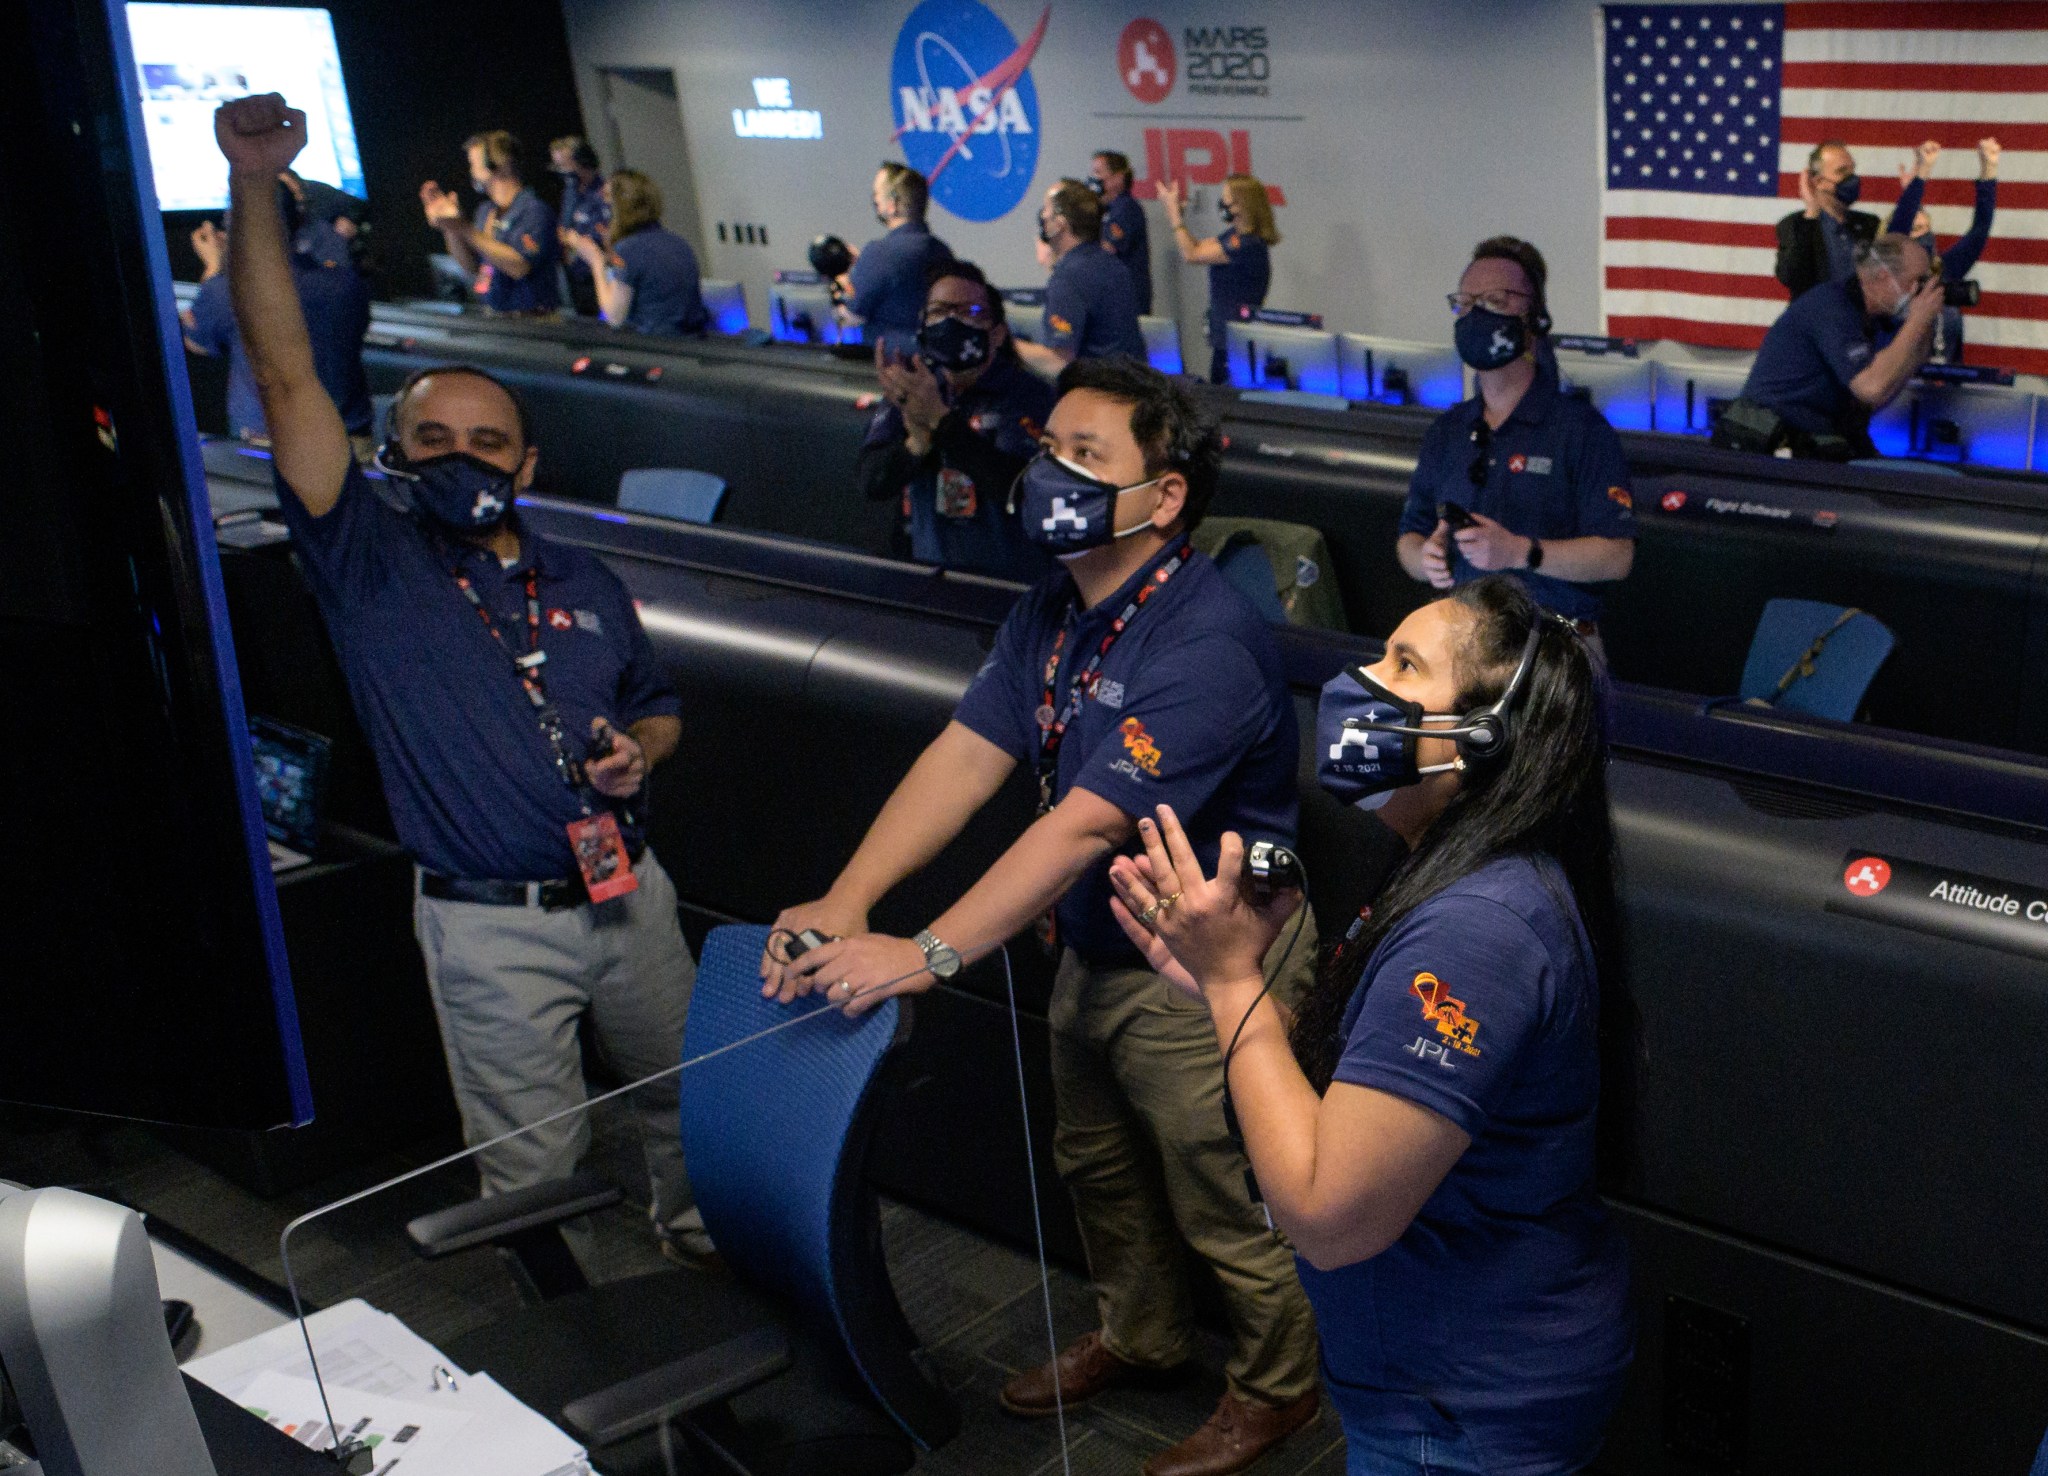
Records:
x=1547, y=795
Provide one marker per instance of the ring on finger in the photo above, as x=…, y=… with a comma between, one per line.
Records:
x=1169, y=900
x=1148, y=914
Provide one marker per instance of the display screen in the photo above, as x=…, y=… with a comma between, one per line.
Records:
x=189, y=59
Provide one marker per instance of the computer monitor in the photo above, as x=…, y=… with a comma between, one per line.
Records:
x=1281, y=356
x=1395, y=371
x=727, y=304
x=1686, y=399
x=1968, y=424
x=145, y=961
x=1162, y=344
x=1024, y=311
x=801, y=312
x=291, y=767
x=189, y=59
x=1621, y=389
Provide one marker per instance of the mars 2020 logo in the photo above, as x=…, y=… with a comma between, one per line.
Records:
x=966, y=108
x=1868, y=876
x=1145, y=60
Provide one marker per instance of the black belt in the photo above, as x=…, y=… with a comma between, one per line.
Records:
x=550, y=896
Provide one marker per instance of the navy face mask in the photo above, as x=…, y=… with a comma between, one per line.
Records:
x=954, y=344
x=1849, y=189
x=1489, y=340
x=1366, y=733
x=1065, y=510
x=1362, y=766
x=461, y=492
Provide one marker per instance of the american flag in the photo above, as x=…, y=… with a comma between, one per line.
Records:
x=1710, y=112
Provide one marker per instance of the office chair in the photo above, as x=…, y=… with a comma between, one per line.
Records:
x=672, y=492
x=801, y=1363
x=1813, y=657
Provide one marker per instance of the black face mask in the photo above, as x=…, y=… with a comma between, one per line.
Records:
x=461, y=492
x=1490, y=340
x=954, y=344
x=1044, y=232
x=1093, y=184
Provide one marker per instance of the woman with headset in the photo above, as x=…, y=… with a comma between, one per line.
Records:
x=1423, y=1128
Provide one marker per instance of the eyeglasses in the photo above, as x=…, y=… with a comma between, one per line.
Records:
x=966, y=312
x=1482, y=454
x=1500, y=300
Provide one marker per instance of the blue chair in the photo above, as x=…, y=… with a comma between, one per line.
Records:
x=1816, y=658
x=801, y=1363
x=672, y=492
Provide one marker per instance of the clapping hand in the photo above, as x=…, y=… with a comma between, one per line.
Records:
x=442, y=207
x=210, y=244
x=1199, y=933
x=1987, y=156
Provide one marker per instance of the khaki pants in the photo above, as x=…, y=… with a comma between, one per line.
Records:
x=513, y=988
x=1140, y=1143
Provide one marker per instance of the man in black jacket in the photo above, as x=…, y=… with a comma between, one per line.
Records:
x=1817, y=243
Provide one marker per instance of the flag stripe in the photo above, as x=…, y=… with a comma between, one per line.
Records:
x=2015, y=166
x=1676, y=279
x=2019, y=194
x=1703, y=232
x=1894, y=133
x=1889, y=15
x=1854, y=102
x=1918, y=76
x=1992, y=48
x=1685, y=330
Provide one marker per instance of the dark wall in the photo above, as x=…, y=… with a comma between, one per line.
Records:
x=422, y=76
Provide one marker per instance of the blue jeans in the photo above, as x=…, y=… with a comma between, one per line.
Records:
x=1367, y=1454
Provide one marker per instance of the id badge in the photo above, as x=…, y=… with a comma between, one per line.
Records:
x=601, y=857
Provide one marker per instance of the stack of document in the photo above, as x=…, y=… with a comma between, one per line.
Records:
x=392, y=1390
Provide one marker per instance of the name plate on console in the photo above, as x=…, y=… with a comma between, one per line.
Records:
x=1985, y=910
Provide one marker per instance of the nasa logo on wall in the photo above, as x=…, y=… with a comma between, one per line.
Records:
x=1145, y=60
x=965, y=107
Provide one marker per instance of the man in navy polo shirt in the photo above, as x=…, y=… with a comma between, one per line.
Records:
x=960, y=419
x=1124, y=233
x=1134, y=676
x=885, y=285
x=1091, y=309
x=584, y=212
x=336, y=304
x=511, y=245
x=514, y=707
x=1519, y=479
x=1820, y=368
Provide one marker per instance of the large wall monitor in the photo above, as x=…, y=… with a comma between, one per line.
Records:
x=189, y=59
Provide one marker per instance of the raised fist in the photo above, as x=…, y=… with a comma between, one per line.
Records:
x=259, y=135
x=1987, y=153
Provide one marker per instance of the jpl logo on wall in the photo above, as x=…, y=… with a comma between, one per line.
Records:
x=965, y=105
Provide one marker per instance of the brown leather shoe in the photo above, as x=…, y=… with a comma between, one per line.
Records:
x=1235, y=1436
x=1086, y=1368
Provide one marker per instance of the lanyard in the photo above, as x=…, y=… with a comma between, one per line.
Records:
x=527, y=669
x=1052, y=724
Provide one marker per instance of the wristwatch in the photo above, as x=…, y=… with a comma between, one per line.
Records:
x=1535, y=553
x=939, y=956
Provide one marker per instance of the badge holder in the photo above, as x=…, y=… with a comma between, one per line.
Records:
x=601, y=857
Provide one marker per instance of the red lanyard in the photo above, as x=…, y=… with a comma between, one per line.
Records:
x=1053, y=724
x=527, y=668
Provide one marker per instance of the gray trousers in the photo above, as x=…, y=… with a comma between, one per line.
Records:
x=514, y=986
